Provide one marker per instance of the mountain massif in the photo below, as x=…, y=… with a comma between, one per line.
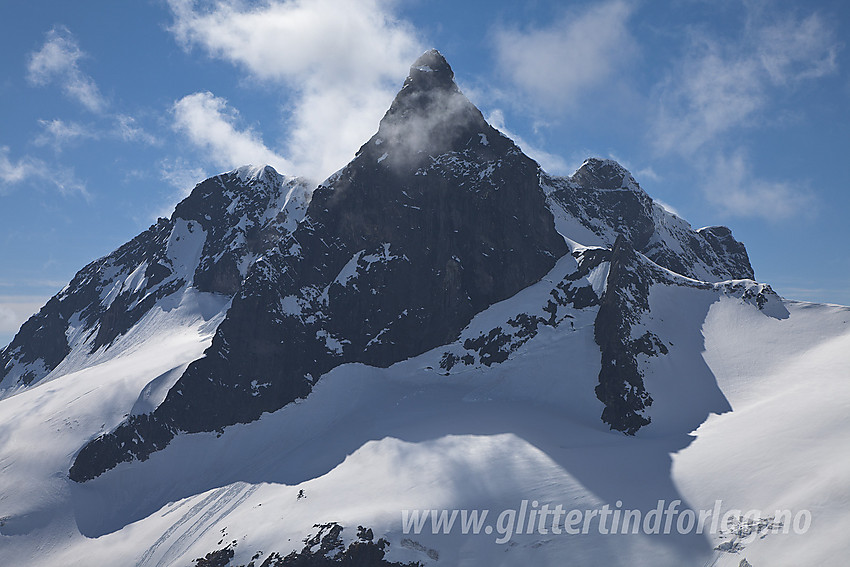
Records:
x=440, y=324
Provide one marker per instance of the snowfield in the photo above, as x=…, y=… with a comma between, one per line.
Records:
x=369, y=443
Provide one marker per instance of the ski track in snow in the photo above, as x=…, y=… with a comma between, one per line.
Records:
x=201, y=517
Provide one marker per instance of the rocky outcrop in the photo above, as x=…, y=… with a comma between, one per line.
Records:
x=325, y=548
x=733, y=253
x=621, y=387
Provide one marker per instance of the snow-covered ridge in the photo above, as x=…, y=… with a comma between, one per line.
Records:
x=206, y=245
x=602, y=200
x=250, y=172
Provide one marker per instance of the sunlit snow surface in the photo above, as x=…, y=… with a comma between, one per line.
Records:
x=369, y=443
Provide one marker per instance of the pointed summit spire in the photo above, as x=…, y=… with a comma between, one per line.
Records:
x=430, y=77
x=429, y=116
x=434, y=61
x=430, y=70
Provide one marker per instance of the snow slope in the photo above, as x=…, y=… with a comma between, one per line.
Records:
x=369, y=443
x=43, y=426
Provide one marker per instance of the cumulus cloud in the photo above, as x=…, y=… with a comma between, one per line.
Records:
x=556, y=64
x=343, y=60
x=58, y=60
x=731, y=186
x=210, y=124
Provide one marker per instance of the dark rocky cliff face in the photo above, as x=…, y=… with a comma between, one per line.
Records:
x=730, y=250
x=438, y=217
x=626, y=297
x=622, y=324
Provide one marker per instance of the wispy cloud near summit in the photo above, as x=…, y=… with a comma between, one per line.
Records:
x=211, y=124
x=342, y=61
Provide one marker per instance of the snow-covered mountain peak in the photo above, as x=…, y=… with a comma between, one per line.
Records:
x=246, y=196
x=207, y=245
x=250, y=172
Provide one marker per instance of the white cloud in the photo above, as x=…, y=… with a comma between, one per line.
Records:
x=57, y=60
x=331, y=40
x=557, y=64
x=34, y=171
x=343, y=60
x=647, y=173
x=719, y=86
x=58, y=133
x=793, y=50
x=723, y=88
x=126, y=129
x=731, y=186
x=12, y=172
x=181, y=175
x=210, y=124
x=712, y=95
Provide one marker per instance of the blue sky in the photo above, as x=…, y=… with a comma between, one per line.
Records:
x=730, y=112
